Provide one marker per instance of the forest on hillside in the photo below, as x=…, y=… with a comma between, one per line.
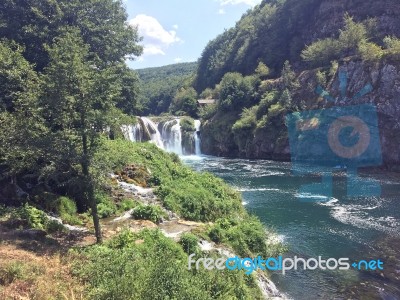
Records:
x=159, y=86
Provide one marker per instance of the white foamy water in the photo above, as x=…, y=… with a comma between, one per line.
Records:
x=256, y=189
x=360, y=217
x=312, y=196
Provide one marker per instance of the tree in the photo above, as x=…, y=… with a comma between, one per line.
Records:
x=352, y=35
x=128, y=100
x=289, y=76
x=102, y=24
x=185, y=100
x=77, y=96
x=321, y=52
x=262, y=70
x=235, y=91
x=21, y=126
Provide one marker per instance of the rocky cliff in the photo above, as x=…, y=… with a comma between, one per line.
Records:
x=271, y=142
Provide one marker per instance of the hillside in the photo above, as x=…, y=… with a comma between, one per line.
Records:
x=323, y=41
x=276, y=31
x=158, y=86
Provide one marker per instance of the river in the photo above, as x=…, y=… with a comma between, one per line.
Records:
x=339, y=227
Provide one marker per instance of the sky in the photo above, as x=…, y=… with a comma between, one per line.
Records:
x=177, y=31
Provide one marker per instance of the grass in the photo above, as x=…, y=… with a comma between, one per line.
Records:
x=148, y=265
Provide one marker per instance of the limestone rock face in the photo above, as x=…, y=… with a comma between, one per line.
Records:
x=272, y=142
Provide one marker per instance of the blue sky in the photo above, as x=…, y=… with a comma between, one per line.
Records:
x=178, y=30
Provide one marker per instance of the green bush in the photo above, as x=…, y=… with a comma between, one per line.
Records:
x=189, y=243
x=105, y=205
x=208, y=111
x=156, y=268
x=126, y=204
x=187, y=124
x=276, y=110
x=269, y=98
x=11, y=271
x=216, y=234
x=34, y=217
x=67, y=210
x=393, y=46
x=247, y=121
x=322, y=52
x=54, y=226
x=370, y=51
x=150, y=212
x=246, y=236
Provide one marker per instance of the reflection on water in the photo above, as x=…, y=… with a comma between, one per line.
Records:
x=336, y=227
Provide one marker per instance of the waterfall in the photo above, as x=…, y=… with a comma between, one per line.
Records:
x=144, y=130
x=196, y=134
x=172, y=136
x=153, y=132
x=166, y=135
x=133, y=133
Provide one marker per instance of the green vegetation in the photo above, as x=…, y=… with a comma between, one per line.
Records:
x=160, y=86
x=353, y=39
x=350, y=39
x=187, y=124
x=64, y=81
x=16, y=270
x=148, y=212
x=276, y=31
x=184, y=102
x=155, y=268
x=34, y=217
x=189, y=243
x=66, y=89
x=105, y=204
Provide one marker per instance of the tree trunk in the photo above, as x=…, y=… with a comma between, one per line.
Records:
x=90, y=190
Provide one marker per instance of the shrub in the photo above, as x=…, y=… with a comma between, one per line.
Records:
x=126, y=204
x=11, y=271
x=66, y=208
x=247, y=121
x=34, y=217
x=189, y=243
x=208, y=111
x=156, y=268
x=54, y=226
x=322, y=52
x=187, y=124
x=276, y=110
x=105, y=205
x=150, y=212
x=267, y=100
x=370, y=51
x=353, y=34
x=216, y=234
x=393, y=45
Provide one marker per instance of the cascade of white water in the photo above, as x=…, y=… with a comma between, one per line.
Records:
x=166, y=135
x=172, y=136
x=134, y=133
x=153, y=132
x=197, y=141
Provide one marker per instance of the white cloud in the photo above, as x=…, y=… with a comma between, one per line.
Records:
x=221, y=11
x=234, y=2
x=178, y=59
x=175, y=26
x=153, y=50
x=155, y=38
